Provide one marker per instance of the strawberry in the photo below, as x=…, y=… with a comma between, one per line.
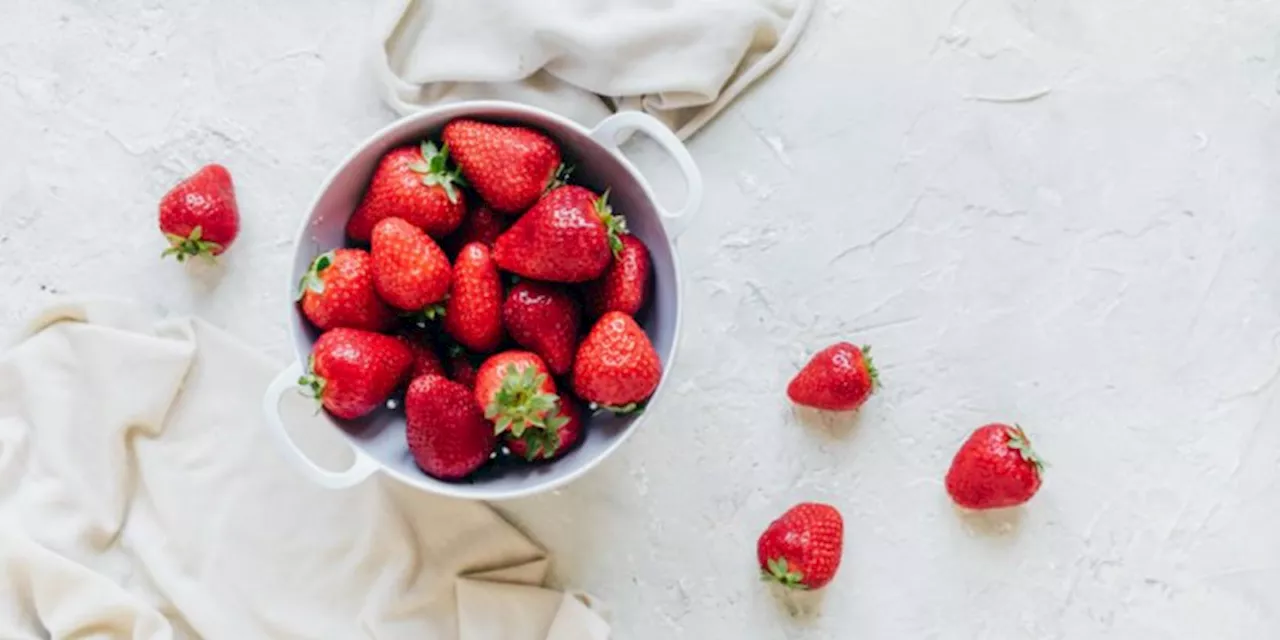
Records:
x=425, y=360
x=616, y=367
x=543, y=318
x=473, y=313
x=549, y=444
x=200, y=216
x=413, y=182
x=352, y=372
x=508, y=166
x=625, y=284
x=447, y=433
x=802, y=548
x=568, y=236
x=409, y=271
x=517, y=393
x=838, y=378
x=461, y=367
x=338, y=291
x=483, y=225
x=994, y=468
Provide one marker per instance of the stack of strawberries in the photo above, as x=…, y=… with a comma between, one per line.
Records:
x=494, y=263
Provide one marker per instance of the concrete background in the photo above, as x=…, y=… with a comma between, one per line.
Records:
x=1058, y=213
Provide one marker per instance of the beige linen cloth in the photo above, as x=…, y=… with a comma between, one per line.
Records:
x=681, y=61
x=141, y=499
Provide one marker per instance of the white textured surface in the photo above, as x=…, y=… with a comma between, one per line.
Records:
x=1060, y=213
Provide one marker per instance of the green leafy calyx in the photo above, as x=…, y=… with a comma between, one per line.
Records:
x=871, y=367
x=435, y=171
x=1019, y=442
x=615, y=225
x=520, y=404
x=312, y=385
x=193, y=244
x=779, y=572
x=311, y=279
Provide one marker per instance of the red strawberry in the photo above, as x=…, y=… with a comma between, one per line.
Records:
x=802, y=549
x=509, y=167
x=413, y=182
x=338, y=291
x=425, y=360
x=549, y=444
x=483, y=226
x=461, y=368
x=616, y=367
x=353, y=372
x=447, y=433
x=473, y=313
x=569, y=236
x=625, y=284
x=517, y=393
x=994, y=468
x=838, y=378
x=200, y=216
x=543, y=318
x=409, y=271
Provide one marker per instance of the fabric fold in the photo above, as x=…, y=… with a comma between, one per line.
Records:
x=142, y=499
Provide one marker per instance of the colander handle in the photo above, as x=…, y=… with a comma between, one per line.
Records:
x=606, y=133
x=361, y=468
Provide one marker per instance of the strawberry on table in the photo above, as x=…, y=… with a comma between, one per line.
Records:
x=570, y=235
x=410, y=272
x=803, y=547
x=473, y=312
x=413, y=182
x=625, y=284
x=517, y=393
x=839, y=378
x=352, y=372
x=338, y=291
x=200, y=217
x=508, y=166
x=616, y=367
x=482, y=225
x=549, y=444
x=543, y=318
x=446, y=431
x=994, y=468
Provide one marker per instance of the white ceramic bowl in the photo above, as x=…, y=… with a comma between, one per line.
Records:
x=378, y=440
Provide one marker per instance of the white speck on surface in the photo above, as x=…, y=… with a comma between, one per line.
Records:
x=1098, y=265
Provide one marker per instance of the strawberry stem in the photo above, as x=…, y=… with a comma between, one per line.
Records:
x=779, y=572
x=1019, y=442
x=311, y=279
x=871, y=367
x=435, y=170
x=520, y=405
x=615, y=225
x=193, y=244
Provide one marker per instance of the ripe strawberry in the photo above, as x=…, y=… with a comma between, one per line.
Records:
x=838, y=378
x=483, y=226
x=625, y=284
x=200, y=216
x=549, y=444
x=994, y=468
x=517, y=393
x=616, y=367
x=409, y=271
x=568, y=236
x=425, y=360
x=447, y=433
x=543, y=318
x=802, y=548
x=509, y=167
x=413, y=182
x=473, y=313
x=462, y=369
x=338, y=291
x=353, y=372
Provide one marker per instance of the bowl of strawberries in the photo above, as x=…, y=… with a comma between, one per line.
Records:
x=486, y=298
